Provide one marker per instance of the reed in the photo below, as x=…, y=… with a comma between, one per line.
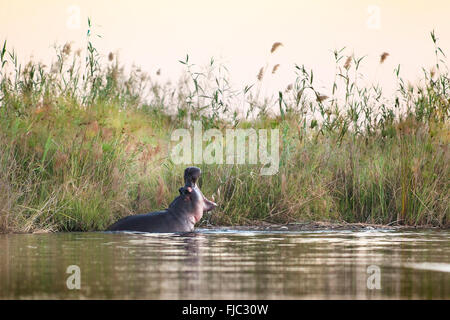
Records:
x=82, y=143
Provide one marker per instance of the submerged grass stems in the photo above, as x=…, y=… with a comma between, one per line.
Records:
x=83, y=143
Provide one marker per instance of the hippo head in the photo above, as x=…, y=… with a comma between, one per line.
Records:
x=191, y=201
x=191, y=176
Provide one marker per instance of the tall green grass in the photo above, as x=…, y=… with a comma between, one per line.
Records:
x=83, y=143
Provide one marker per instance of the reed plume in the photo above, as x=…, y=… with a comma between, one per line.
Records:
x=348, y=62
x=260, y=74
x=275, y=68
x=321, y=98
x=67, y=48
x=275, y=46
x=383, y=57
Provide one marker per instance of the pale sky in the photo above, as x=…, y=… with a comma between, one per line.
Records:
x=156, y=34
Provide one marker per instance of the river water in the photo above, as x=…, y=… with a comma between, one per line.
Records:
x=227, y=264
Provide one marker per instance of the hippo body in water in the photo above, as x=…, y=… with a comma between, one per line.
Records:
x=181, y=216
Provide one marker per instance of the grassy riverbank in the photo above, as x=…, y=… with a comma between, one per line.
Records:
x=81, y=145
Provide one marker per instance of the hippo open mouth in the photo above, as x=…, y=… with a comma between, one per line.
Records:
x=191, y=175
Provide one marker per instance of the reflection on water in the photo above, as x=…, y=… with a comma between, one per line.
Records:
x=227, y=265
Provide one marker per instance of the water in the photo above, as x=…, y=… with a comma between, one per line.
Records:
x=227, y=264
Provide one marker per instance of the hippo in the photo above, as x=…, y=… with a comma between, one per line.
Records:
x=181, y=215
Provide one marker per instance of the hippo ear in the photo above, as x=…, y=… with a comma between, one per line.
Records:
x=208, y=205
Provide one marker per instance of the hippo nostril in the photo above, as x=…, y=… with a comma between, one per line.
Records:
x=185, y=190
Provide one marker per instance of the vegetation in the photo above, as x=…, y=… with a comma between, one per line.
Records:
x=83, y=143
